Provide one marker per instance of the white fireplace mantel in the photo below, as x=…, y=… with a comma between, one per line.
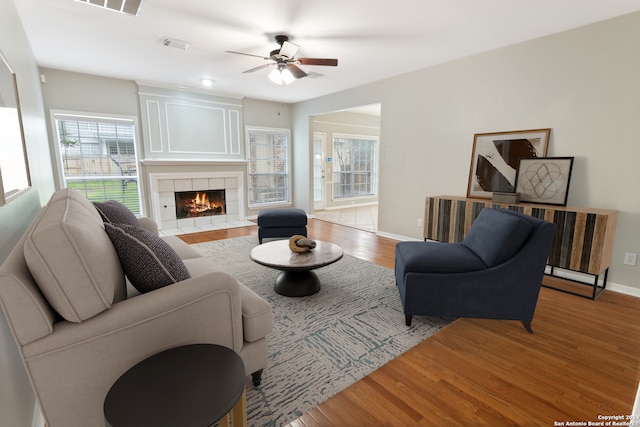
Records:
x=192, y=162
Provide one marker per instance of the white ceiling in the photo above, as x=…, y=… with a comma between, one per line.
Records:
x=372, y=39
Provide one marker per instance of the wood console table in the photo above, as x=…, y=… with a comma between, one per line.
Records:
x=583, y=241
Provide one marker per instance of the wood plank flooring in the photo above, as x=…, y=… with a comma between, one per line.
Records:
x=582, y=361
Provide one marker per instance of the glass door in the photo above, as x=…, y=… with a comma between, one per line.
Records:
x=319, y=140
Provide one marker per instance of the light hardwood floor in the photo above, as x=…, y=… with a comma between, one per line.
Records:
x=582, y=362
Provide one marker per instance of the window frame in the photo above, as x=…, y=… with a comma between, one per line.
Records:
x=268, y=130
x=374, y=170
x=58, y=115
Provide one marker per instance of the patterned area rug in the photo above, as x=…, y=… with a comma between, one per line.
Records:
x=322, y=343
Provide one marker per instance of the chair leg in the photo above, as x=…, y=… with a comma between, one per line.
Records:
x=407, y=319
x=256, y=377
x=527, y=326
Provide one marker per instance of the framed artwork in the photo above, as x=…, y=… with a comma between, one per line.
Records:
x=544, y=180
x=14, y=168
x=495, y=156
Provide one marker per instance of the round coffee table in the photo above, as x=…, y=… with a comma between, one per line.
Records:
x=296, y=278
x=191, y=385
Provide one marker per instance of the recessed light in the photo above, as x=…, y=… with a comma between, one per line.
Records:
x=206, y=82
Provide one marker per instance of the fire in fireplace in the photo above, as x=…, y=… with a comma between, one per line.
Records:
x=191, y=204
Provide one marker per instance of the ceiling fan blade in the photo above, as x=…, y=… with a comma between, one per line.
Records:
x=289, y=49
x=260, y=67
x=318, y=61
x=246, y=54
x=297, y=72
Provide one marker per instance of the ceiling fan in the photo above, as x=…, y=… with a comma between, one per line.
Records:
x=286, y=65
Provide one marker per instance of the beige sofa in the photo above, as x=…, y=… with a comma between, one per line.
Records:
x=64, y=295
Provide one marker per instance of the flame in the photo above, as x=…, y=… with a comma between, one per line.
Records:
x=200, y=204
x=195, y=204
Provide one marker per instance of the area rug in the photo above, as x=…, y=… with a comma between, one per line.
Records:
x=325, y=342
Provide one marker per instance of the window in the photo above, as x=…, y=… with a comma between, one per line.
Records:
x=354, y=166
x=268, y=166
x=98, y=158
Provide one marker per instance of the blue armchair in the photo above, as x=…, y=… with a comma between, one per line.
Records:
x=495, y=273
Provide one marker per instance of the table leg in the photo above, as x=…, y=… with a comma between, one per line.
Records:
x=297, y=283
x=238, y=415
x=239, y=412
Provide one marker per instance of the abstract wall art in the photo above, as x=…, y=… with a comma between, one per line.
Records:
x=495, y=157
x=544, y=180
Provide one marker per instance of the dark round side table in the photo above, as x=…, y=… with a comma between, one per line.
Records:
x=192, y=385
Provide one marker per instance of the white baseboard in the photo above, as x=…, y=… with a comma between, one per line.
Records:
x=615, y=287
x=624, y=289
x=397, y=237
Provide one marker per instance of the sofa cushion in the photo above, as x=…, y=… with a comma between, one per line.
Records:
x=496, y=236
x=257, y=314
x=436, y=258
x=148, y=261
x=183, y=250
x=115, y=212
x=200, y=266
x=282, y=217
x=72, y=259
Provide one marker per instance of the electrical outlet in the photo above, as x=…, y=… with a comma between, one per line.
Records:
x=630, y=258
x=419, y=222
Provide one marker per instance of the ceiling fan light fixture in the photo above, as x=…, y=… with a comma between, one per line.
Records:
x=281, y=76
x=286, y=69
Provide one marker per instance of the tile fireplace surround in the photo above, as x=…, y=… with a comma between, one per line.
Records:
x=163, y=204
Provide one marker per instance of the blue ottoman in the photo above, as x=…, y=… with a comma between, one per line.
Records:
x=281, y=223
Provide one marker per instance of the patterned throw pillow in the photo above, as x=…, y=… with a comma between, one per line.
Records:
x=115, y=212
x=147, y=260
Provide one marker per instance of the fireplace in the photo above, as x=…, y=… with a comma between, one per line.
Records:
x=163, y=187
x=191, y=204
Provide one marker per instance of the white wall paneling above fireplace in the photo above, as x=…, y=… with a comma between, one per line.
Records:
x=179, y=126
x=162, y=197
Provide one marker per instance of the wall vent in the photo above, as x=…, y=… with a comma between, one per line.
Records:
x=129, y=7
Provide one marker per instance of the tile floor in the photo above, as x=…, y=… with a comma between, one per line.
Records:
x=361, y=217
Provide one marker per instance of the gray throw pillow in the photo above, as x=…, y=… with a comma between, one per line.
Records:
x=148, y=261
x=115, y=212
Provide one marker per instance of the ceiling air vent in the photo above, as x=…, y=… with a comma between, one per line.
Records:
x=129, y=7
x=178, y=44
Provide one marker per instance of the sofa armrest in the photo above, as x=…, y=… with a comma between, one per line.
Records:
x=257, y=315
x=149, y=224
x=75, y=366
x=206, y=308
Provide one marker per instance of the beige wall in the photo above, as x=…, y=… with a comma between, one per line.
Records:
x=582, y=83
x=16, y=398
x=69, y=91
